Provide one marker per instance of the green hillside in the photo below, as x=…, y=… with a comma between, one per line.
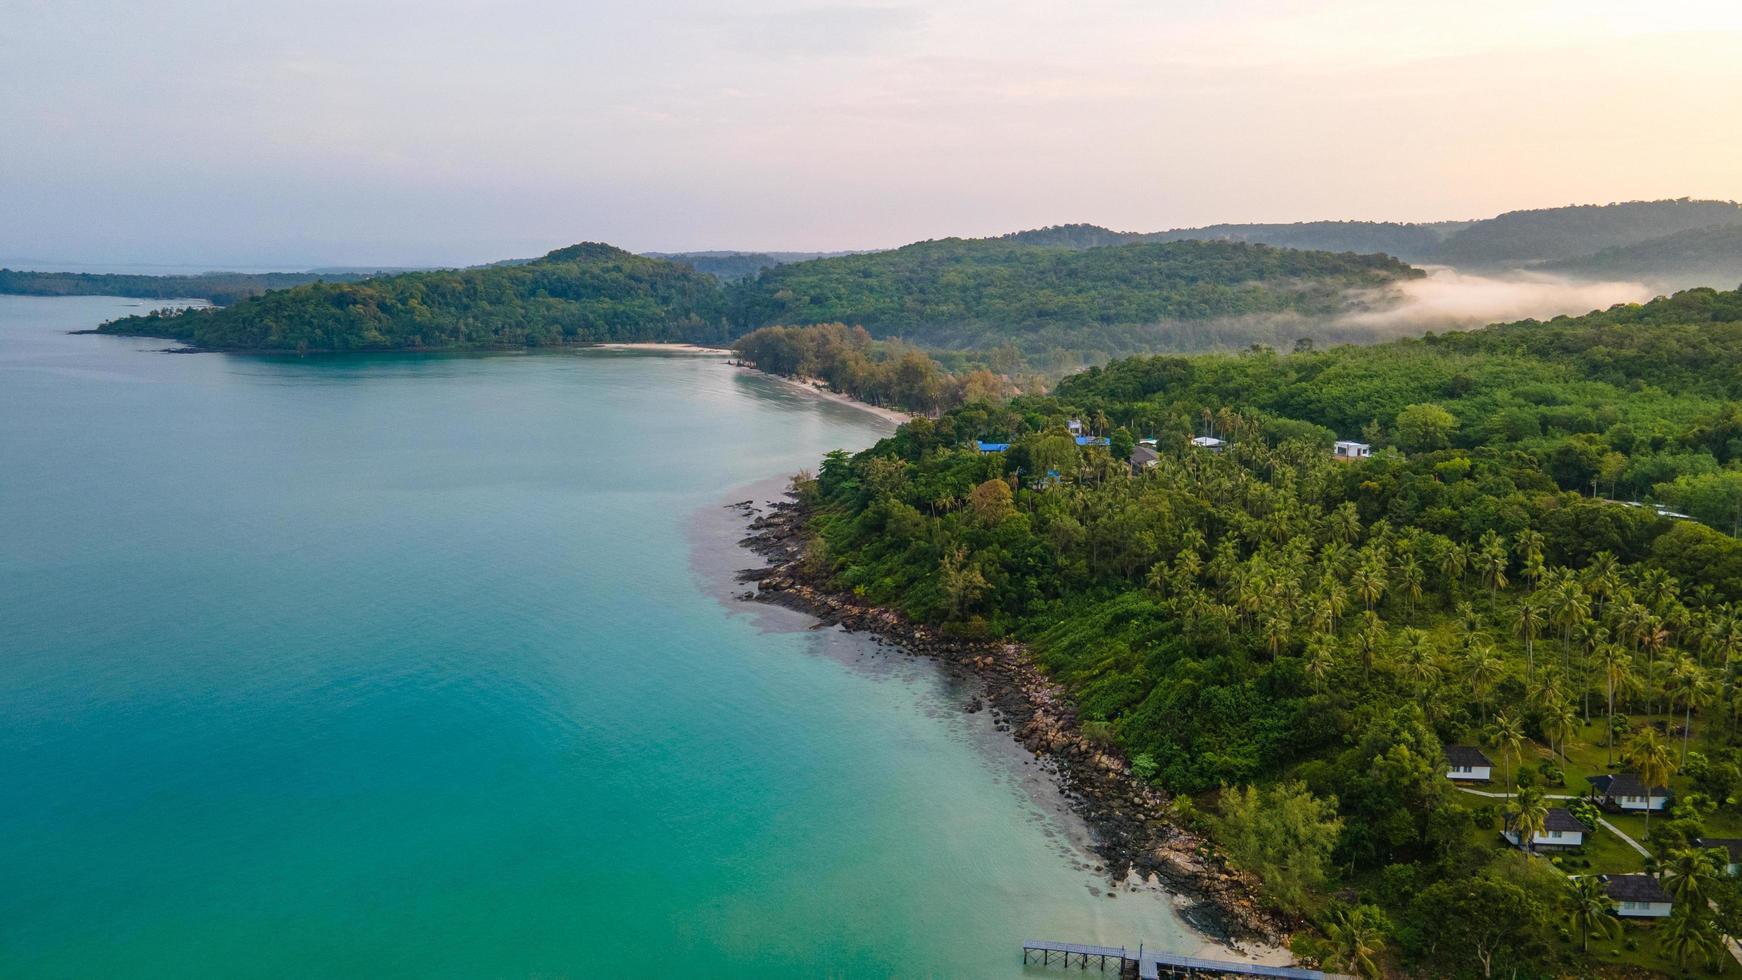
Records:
x=1699, y=257
x=976, y=294
x=1525, y=238
x=583, y=293
x=1296, y=640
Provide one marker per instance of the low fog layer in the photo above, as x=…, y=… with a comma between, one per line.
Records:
x=1449, y=299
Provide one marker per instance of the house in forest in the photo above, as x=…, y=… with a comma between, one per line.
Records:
x=1732, y=850
x=1468, y=764
x=1559, y=829
x=1211, y=443
x=1637, y=896
x=1092, y=440
x=1143, y=457
x=1076, y=426
x=1345, y=449
x=991, y=447
x=1626, y=791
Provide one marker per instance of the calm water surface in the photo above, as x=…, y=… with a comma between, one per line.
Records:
x=423, y=666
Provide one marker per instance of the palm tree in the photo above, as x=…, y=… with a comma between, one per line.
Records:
x=1493, y=561
x=1529, y=818
x=1321, y=656
x=1689, y=931
x=1689, y=874
x=1529, y=623
x=1418, y=662
x=1369, y=583
x=1368, y=639
x=1558, y=720
x=1689, y=684
x=1452, y=565
x=1509, y=741
x=1484, y=670
x=1354, y=944
x=1615, y=666
x=1592, y=910
x=1409, y=574
x=1649, y=757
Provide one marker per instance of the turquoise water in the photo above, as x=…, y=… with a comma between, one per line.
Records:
x=427, y=666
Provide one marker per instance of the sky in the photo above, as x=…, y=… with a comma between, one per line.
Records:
x=223, y=134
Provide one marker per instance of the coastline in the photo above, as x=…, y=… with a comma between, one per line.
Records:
x=819, y=390
x=667, y=347
x=1137, y=838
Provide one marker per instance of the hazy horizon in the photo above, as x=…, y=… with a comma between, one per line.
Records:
x=194, y=134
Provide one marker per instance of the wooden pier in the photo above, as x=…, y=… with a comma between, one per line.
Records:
x=1150, y=965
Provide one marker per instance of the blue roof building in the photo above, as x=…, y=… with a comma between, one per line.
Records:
x=991, y=447
x=1091, y=440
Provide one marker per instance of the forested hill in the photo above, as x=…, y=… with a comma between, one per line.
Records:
x=1525, y=238
x=583, y=293
x=1703, y=256
x=1297, y=640
x=222, y=288
x=982, y=293
x=951, y=293
x=1514, y=240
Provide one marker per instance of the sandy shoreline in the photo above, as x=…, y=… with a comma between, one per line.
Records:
x=817, y=389
x=669, y=348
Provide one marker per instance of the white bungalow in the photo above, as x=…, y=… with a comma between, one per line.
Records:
x=1626, y=791
x=1345, y=449
x=1561, y=829
x=1468, y=764
x=1211, y=443
x=1637, y=896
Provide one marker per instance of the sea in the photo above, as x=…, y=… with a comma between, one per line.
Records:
x=434, y=666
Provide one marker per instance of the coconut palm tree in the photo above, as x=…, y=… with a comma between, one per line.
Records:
x=1690, y=932
x=1591, y=910
x=1689, y=874
x=1529, y=818
x=1529, y=622
x=1649, y=757
x=1321, y=656
x=1616, y=668
x=1483, y=670
x=1558, y=720
x=1509, y=742
x=1691, y=685
x=1355, y=941
x=1493, y=561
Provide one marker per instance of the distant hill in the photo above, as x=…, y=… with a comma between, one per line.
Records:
x=583, y=293
x=1521, y=239
x=1514, y=240
x=983, y=293
x=1699, y=257
x=222, y=288
x=947, y=294
x=729, y=266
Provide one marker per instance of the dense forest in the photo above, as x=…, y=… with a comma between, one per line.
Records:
x=584, y=293
x=1187, y=295
x=887, y=373
x=1290, y=641
x=977, y=294
x=220, y=288
x=732, y=266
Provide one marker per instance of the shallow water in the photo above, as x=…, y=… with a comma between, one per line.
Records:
x=425, y=666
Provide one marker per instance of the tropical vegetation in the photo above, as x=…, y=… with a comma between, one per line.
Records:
x=1294, y=639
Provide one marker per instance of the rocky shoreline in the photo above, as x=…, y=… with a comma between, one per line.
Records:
x=1134, y=828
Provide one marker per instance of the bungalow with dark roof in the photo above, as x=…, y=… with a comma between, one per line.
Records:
x=1468, y=764
x=1561, y=829
x=1626, y=791
x=1637, y=896
x=1143, y=457
x=1732, y=850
